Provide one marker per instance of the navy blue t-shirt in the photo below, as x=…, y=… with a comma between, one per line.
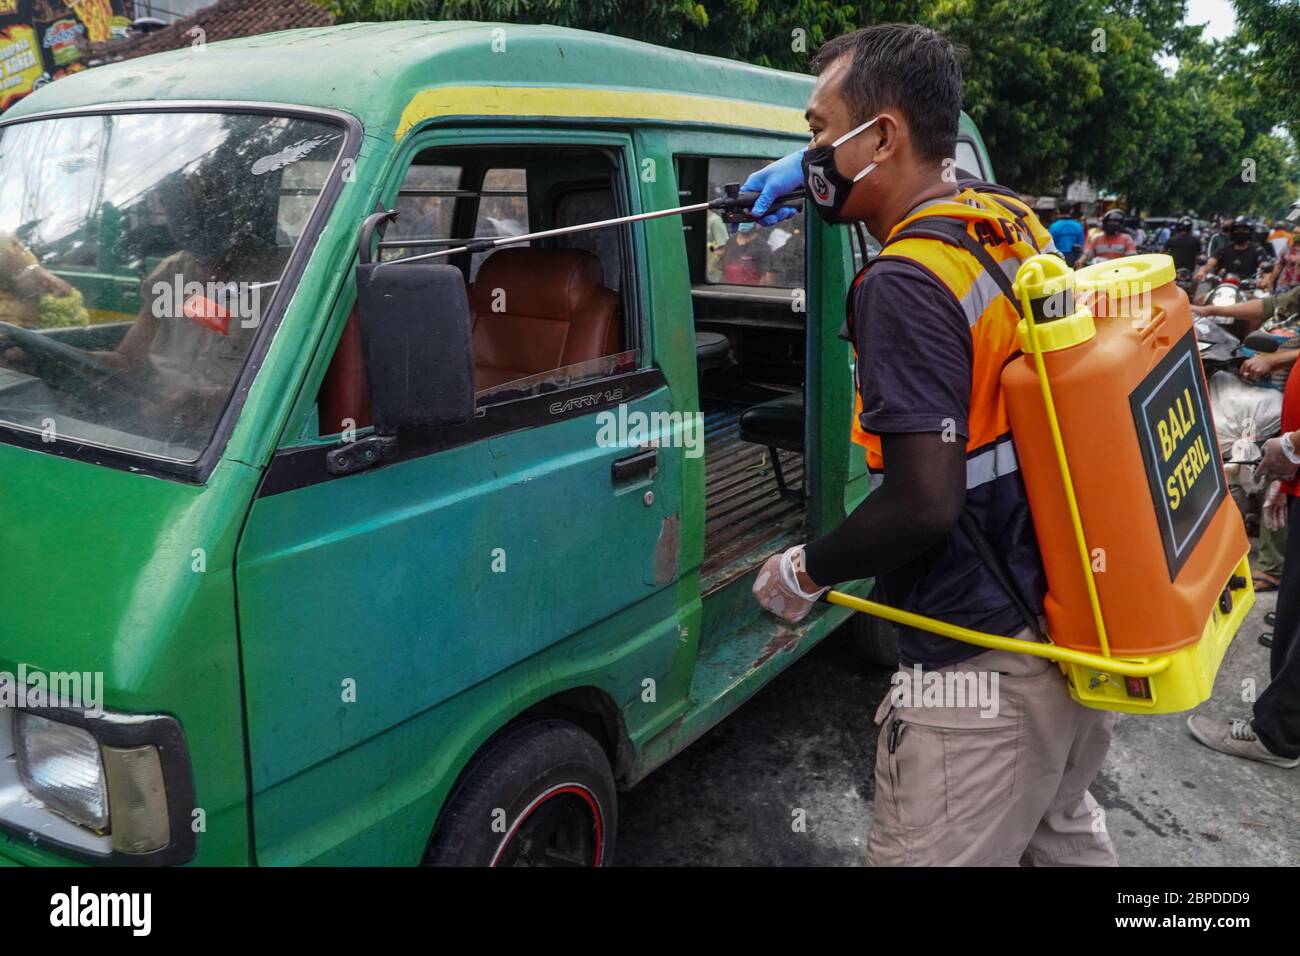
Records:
x=915, y=359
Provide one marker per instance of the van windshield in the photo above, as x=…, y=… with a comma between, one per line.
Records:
x=138, y=255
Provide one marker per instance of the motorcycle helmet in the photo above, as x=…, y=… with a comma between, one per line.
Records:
x=1242, y=229
x=1112, y=222
x=1184, y=224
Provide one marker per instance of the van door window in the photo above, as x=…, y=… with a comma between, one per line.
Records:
x=546, y=315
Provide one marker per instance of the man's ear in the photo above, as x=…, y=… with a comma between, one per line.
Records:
x=892, y=130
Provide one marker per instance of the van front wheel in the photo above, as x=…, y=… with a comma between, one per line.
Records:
x=538, y=794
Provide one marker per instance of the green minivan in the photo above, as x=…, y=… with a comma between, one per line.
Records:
x=322, y=557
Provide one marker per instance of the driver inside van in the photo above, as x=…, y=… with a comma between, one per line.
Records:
x=201, y=305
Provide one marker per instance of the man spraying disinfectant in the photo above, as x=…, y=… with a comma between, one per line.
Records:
x=932, y=324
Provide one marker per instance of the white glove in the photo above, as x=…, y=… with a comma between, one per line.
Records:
x=777, y=586
x=1275, y=503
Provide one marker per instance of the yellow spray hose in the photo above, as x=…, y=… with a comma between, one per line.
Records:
x=997, y=642
x=1102, y=661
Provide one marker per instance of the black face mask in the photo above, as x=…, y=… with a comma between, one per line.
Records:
x=827, y=187
x=1111, y=228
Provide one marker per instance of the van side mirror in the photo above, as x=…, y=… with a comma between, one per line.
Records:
x=415, y=335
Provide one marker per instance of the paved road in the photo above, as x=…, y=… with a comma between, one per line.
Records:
x=806, y=742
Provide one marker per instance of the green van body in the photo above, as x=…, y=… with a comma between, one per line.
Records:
x=383, y=581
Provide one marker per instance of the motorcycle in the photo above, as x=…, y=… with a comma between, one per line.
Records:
x=1219, y=289
x=1246, y=414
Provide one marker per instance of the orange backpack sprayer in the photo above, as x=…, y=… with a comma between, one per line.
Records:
x=1145, y=552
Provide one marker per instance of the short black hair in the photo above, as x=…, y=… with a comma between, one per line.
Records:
x=906, y=66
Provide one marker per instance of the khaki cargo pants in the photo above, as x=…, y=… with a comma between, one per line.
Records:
x=961, y=789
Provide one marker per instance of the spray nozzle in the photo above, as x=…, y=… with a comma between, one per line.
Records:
x=735, y=205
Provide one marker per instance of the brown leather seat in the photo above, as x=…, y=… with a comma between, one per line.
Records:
x=554, y=310
x=557, y=312
x=344, y=393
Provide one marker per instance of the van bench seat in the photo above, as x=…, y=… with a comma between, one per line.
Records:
x=776, y=424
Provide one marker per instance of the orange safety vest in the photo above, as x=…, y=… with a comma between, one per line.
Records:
x=950, y=238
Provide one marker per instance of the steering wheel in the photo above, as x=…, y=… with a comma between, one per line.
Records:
x=61, y=364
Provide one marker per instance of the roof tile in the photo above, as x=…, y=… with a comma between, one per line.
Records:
x=224, y=20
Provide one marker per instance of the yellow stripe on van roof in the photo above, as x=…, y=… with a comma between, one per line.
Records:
x=566, y=101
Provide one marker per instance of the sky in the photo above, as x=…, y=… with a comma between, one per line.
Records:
x=1218, y=16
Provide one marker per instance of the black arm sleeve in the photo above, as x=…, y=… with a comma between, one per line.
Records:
x=914, y=372
x=917, y=504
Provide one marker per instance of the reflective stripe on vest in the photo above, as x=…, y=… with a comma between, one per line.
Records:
x=981, y=467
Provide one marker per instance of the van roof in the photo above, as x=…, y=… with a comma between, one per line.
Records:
x=392, y=75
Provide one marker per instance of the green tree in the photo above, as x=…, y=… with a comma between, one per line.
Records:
x=1059, y=88
x=1273, y=28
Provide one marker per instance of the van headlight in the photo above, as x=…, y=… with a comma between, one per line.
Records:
x=121, y=780
x=60, y=765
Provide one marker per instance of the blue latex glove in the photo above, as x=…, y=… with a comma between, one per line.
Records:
x=771, y=183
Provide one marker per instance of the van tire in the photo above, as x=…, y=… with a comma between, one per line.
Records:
x=541, y=763
x=874, y=640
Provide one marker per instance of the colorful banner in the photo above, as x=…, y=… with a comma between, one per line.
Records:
x=21, y=64
x=42, y=40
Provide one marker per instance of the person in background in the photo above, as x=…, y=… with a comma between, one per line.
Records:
x=715, y=244
x=1067, y=233
x=1241, y=258
x=747, y=259
x=1220, y=239
x=1139, y=233
x=1112, y=242
x=1163, y=234
x=1272, y=369
x=1272, y=734
x=1286, y=274
x=1183, y=246
x=1279, y=238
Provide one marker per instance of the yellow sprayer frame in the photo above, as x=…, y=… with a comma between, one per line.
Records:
x=1188, y=672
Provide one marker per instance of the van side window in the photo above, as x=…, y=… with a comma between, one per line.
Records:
x=592, y=203
x=772, y=256
x=425, y=207
x=545, y=314
x=502, y=209
x=968, y=161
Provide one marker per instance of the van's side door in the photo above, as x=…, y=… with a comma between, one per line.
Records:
x=389, y=619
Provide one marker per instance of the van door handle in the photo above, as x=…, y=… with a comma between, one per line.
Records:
x=641, y=463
